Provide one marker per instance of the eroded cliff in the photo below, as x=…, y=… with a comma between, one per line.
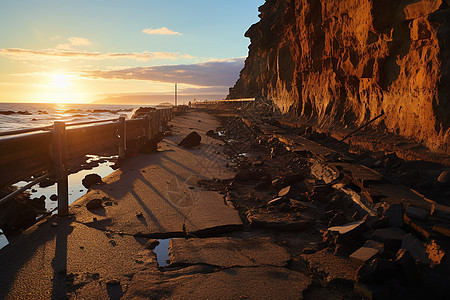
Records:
x=346, y=61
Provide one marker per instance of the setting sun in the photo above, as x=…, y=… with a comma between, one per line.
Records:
x=60, y=81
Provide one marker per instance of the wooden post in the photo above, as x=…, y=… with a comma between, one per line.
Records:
x=59, y=158
x=123, y=137
x=147, y=131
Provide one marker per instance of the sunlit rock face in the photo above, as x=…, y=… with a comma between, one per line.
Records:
x=346, y=61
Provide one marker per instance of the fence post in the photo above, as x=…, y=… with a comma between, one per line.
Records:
x=123, y=137
x=59, y=151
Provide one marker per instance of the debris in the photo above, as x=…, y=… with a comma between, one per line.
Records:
x=350, y=229
x=392, y=237
x=375, y=245
x=91, y=179
x=193, y=139
x=364, y=254
x=416, y=213
x=394, y=213
x=416, y=248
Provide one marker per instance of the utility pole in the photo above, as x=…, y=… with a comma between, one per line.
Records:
x=176, y=96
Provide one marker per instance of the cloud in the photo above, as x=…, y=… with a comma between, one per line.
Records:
x=212, y=73
x=79, y=41
x=73, y=42
x=161, y=31
x=25, y=54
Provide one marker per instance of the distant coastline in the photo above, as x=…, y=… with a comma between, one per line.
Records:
x=154, y=99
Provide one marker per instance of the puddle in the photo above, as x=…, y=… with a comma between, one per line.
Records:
x=3, y=240
x=76, y=189
x=162, y=252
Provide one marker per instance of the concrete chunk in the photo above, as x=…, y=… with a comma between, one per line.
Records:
x=391, y=237
x=416, y=213
x=364, y=254
x=352, y=228
x=416, y=248
x=375, y=245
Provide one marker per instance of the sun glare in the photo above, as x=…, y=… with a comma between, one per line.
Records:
x=60, y=81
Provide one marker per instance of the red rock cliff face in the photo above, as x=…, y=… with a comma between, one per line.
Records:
x=346, y=61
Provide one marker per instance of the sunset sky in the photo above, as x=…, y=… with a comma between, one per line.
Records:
x=86, y=50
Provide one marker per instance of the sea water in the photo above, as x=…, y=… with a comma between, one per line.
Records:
x=14, y=116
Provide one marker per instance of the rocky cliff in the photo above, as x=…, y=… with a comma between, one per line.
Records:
x=347, y=61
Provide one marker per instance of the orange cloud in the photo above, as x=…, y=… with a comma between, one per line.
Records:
x=25, y=54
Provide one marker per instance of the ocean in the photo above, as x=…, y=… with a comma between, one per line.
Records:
x=15, y=116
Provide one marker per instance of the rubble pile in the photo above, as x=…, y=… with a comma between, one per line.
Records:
x=354, y=221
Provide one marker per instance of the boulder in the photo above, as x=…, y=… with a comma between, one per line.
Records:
x=193, y=139
x=94, y=204
x=377, y=271
x=91, y=179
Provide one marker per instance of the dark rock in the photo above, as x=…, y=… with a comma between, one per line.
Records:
x=38, y=203
x=377, y=271
x=290, y=180
x=91, y=179
x=372, y=291
x=416, y=213
x=380, y=223
x=394, y=214
x=54, y=197
x=210, y=133
x=94, y=204
x=392, y=237
x=407, y=265
x=151, y=244
x=444, y=178
x=337, y=220
x=47, y=182
x=416, y=248
x=193, y=139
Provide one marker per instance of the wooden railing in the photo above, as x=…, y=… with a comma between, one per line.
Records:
x=25, y=153
x=233, y=102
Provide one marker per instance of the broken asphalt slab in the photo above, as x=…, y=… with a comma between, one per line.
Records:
x=157, y=195
x=59, y=256
x=203, y=282
x=227, y=252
